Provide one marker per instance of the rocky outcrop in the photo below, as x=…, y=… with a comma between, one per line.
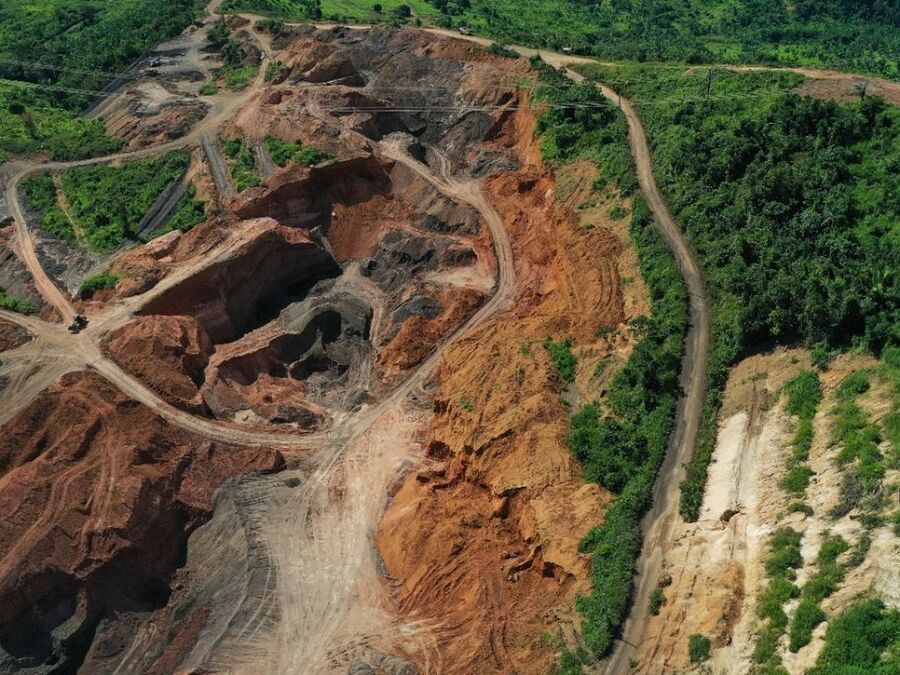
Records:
x=245, y=288
x=169, y=353
x=306, y=198
x=311, y=60
x=99, y=496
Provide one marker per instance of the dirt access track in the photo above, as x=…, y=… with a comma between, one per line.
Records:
x=331, y=377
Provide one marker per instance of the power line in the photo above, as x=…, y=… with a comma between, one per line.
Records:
x=80, y=71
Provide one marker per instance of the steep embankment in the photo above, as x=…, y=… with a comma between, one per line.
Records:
x=485, y=538
x=794, y=526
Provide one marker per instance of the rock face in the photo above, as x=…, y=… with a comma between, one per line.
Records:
x=240, y=290
x=169, y=353
x=99, y=496
x=12, y=335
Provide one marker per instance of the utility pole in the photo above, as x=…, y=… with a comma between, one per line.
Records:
x=709, y=79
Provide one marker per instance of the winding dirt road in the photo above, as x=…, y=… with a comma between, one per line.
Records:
x=53, y=342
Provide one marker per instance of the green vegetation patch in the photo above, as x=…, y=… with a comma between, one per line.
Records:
x=864, y=638
x=190, y=212
x=99, y=282
x=804, y=393
x=241, y=163
x=109, y=202
x=283, y=152
x=562, y=358
x=41, y=193
x=780, y=566
x=823, y=583
x=14, y=305
x=698, y=648
x=860, y=454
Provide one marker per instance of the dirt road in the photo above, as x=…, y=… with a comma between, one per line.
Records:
x=659, y=520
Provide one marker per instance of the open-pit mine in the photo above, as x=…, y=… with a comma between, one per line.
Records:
x=318, y=431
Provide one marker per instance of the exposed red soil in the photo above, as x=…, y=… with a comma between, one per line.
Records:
x=485, y=540
x=100, y=495
x=418, y=335
x=168, y=353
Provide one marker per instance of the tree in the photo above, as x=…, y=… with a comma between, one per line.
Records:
x=403, y=12
x=377, y=8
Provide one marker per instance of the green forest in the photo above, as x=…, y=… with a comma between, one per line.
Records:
x=856, y=35
x=62, y=48
x=792, y=204
x=862, y=35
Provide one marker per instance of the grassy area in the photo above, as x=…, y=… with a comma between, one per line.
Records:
x=804, y=393
x=98, y=282
x=780, y=567
x=829, y=573
x=860, y=455
x=241, y=163
x=239, y=76
x=109, y=202
x=14, y=305
x=283, y=152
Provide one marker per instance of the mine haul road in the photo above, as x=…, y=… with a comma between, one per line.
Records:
x=657, y=524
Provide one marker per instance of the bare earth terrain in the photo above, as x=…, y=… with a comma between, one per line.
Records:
x=319, y=432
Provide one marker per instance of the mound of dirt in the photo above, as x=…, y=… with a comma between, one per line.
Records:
x=100, y=495
x=12, y=335
x=169, y=353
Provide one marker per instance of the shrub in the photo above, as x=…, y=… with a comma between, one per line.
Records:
x=804, y=394
x=807, y=617
x=564, y=361
x=283, y=152
x=797, y=479
x=502, y=50
x=855, y=384
x=858, y=640
x=657, y=600
x=698, y=648
x=273, y=70
x=14, y=305
x=102, y=281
